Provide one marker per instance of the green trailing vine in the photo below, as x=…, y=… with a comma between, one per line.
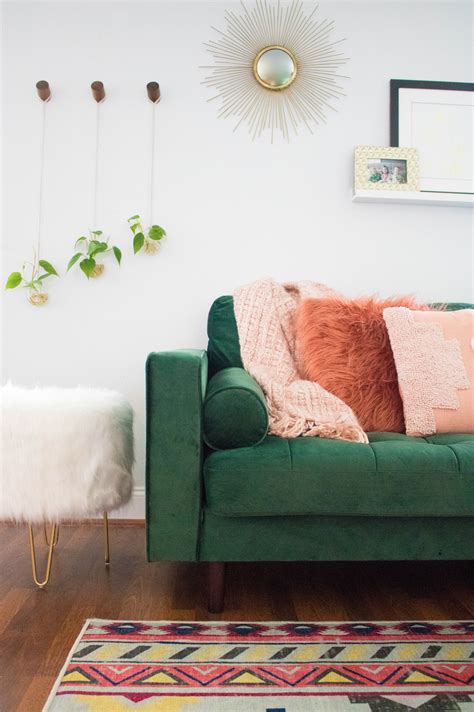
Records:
x=90, y=251
x=149, y=239
x=38, y=271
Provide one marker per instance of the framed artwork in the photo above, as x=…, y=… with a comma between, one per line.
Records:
x=437, y=118
x=382, y=168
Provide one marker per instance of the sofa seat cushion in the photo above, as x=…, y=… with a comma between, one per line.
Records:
x=395, y=475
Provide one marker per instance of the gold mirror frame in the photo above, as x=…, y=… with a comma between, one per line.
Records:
x=248, y=98
x=264, y=83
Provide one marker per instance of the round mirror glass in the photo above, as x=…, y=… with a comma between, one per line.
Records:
x=275, y=68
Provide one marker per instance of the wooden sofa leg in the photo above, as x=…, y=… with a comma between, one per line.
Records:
x=215, y=601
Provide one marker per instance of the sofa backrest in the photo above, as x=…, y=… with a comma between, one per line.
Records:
x=223, y=349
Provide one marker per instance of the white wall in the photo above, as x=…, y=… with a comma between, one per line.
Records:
x=234, y=210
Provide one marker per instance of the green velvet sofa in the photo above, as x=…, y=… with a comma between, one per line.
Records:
x=218, y=489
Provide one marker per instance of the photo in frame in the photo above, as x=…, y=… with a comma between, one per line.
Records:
x=437, y=119
x=385, y=168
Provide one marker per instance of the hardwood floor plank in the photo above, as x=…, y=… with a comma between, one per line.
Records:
x=11, y=603
x=34, y=697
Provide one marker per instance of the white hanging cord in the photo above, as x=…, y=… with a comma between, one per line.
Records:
x=41, y=179
x=152, y=165
x=96, y=168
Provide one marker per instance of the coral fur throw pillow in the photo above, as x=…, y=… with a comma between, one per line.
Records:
x=343, y=345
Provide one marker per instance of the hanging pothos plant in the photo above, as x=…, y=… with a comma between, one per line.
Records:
x=149, y=240
x=32, y=277
x=90, y=252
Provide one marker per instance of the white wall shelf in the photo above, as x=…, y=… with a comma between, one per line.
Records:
x=398, y=196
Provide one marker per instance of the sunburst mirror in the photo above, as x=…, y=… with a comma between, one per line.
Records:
x=275, y=68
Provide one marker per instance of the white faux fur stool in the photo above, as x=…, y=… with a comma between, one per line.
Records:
x=67, y=453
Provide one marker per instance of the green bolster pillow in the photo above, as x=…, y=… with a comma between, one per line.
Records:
x=234, y=412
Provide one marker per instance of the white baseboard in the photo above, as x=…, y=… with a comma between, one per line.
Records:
x=135, y=509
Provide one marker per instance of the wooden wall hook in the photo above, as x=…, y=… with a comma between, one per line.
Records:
x=44, y=92
x=98, y=91
x=153, y=91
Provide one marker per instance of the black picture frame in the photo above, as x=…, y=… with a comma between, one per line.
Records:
x=397, y=84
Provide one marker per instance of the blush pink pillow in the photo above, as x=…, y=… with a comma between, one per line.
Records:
x=343, y=345
x=434, y=357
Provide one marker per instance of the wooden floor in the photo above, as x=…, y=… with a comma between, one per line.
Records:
x=38, y=627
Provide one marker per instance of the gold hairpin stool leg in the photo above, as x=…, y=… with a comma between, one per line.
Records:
x=106, y=539
x=52, y=543
x=45, y=534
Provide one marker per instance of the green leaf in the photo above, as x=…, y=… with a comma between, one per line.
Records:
x=118, y=254
x=138, y=241
x=134, y=217
x=48, y=267
x=87, y=265
x=95, y=246
x=156, y=232
x=43, y=277
x=73, y=260
x=13, y=280
x=135, y=227
x=81, y=239
x=96, y=232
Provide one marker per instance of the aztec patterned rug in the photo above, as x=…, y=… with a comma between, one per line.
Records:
x=160, y=666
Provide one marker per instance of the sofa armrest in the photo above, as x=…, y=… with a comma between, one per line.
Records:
x=175, y=387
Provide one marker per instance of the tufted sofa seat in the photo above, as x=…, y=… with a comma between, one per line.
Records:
x=395, y=476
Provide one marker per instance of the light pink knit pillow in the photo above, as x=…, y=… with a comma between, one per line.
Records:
x=434, y=357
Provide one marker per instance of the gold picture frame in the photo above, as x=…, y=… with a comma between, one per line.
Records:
x=386, y=168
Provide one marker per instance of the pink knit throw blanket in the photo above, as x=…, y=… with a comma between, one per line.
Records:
x=265, y=313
